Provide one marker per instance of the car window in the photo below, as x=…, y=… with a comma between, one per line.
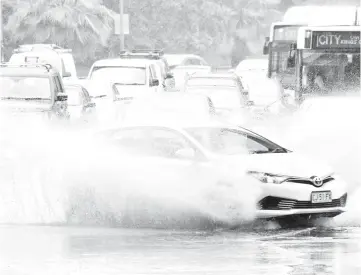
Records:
x=154, y=72
x=203, y=62
x=166, y=143
x=124, y=75
x=187, y=62
x=229, y=141
x=134, y=141
x=195, y=61
x=22, y=87
x=86, y=96
x=58, y=86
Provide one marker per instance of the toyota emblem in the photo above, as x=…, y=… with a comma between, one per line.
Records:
x=317, y=181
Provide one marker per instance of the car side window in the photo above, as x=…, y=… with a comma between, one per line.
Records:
x=152, y=73
x=155, y=73
x=58, y=86
x=195, y=61
x=166, y=143
x=135, y=141
x=86, y=96
x=187, y=62
x=254, y=146
x=203, y=62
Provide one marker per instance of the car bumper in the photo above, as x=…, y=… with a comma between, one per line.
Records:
x=268, y=214
x=288, y=199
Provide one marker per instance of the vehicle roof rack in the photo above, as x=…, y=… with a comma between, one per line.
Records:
x=150, y=54
x=48, y=67
x=149, y=51
x=32, y=47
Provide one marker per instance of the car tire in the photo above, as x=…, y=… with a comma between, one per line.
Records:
x=302, y=221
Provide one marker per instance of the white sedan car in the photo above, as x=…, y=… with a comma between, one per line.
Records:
x=292, y=187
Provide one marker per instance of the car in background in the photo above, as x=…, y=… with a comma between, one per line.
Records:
x=175, y=60
x=226, y=91
x=176, y=105
x=182, y=73
x=259, y=65
x=80, y=105
x=60, y=58
x=136, y=76
x=292, y=188
x=181, y=65
x=266, y=93
x=163, y=70
x=33, y=88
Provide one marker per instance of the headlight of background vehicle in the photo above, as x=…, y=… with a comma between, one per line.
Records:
x=268, y=178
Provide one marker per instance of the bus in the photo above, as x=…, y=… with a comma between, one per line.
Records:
x=284, y=34
x=333, y=53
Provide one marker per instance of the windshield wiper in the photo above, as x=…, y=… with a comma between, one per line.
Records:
x=276, y=150
x=259, y=152
x=98, y=96
x=28, y=99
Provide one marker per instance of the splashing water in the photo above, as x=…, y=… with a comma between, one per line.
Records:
x=52, y=175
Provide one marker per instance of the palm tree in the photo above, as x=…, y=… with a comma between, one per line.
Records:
x=76, y=24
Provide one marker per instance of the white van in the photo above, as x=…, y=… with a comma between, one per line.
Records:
x=61, y=59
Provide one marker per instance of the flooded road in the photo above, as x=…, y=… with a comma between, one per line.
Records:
x=58, y=250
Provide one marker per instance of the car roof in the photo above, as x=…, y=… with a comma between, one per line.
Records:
x=177, y=95
x=27, y=71
x=114, y=62
x=180, y=124
x=175, y=59
x=213, y=75
x=181, y=55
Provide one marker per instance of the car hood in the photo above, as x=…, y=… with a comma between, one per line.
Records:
x=290, y=164
x=129, y=92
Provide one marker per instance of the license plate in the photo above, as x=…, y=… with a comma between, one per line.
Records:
x=321, y=197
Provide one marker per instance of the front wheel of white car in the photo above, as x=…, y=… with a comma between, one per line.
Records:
x=304, y=220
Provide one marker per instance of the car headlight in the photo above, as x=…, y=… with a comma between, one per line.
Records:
x=267, y=177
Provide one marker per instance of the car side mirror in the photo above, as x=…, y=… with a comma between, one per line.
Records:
x=266, y=46
x=67, y=74
x=186, y=153
x=169, y=76
x=62, y=97
x=154, y=82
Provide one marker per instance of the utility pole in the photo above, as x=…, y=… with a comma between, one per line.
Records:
x=121, y=13
x=1, y=31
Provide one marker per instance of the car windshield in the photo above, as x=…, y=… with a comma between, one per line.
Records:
x=25, y=87
x=223, y=97
x=74, y=96
x=227, y=141
x=122, y=75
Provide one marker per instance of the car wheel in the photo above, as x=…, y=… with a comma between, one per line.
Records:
x=297, y=222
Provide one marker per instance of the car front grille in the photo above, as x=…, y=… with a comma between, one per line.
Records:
x=275, y=203
x=310, y=182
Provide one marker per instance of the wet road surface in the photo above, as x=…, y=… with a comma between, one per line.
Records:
x=69, y=250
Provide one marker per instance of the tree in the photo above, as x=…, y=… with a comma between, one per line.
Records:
x=75, y=24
